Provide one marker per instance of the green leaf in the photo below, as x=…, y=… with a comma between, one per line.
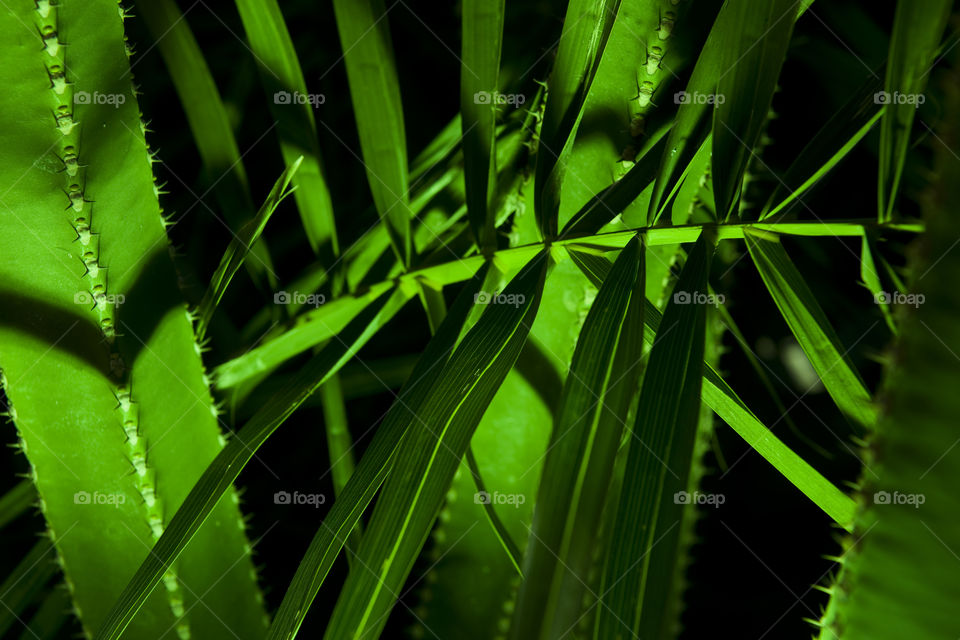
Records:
x=692, y=125
x=431, y=452
x=372, y=468
x=339, y=444
x=871, y=279
x=102, y=372
x=221, y=473
x=720, y=397
x=479, y=91
x=603, y=378
x=238, y=249
x=819, y=156
x=623, y=113
x=899, y=574
x=207, y=118
x=758, y=37
x=50, y=617
x=16, y=502
x=659, y=457
x=309, y=330
x=612, y=201
x=811, y=328
x=508, y=444
x=23, y=584
x=500, y=530
x=292, y=110
x=375, y=94
x=586, y=29
x=917, y=29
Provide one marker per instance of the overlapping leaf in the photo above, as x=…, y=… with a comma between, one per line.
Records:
x=603, y=377
x=758, y=36
x=586, y=28
x=635, y=579
x=432, y=451
x=811, y=328
x=479, y=89
x=917, y=29
x=241, y=245
x=373, y=466
x=292, y=109
x=225, y=468
x=375, y=93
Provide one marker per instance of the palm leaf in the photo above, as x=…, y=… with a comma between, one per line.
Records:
x=479, y=76
x=659, y=458
x=579, y=462
x=760, y=35
x=586, y=29
x=375, y=93
x=221, y=473
x=373, y=467
x=917, y=29
x=238, y=249
x=292, y=109
x=431, y=453
x=720, y=397
x=811, y=328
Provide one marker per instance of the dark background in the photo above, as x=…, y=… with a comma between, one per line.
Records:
x=760, y=553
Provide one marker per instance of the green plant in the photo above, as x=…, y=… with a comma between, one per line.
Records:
x=574, y=249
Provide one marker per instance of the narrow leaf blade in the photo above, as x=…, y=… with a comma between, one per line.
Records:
x=430, y=455
x=811, y=327
x=603, y=378
x=479, y=85
x=372, y=468
x=238, y=249
x=658, y=463
x=375, y=93
x=225, y=468
x=761, y=33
